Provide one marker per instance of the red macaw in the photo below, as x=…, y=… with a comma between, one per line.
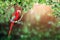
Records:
x=15, y=17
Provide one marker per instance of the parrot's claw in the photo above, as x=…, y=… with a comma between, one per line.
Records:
x=16, y=21
x=19, y=22
x=11, y=21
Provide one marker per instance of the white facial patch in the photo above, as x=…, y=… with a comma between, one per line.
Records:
x=19, y=11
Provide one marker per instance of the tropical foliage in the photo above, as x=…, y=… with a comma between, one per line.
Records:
x=23, y=33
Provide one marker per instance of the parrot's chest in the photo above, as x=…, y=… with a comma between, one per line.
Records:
x=17, y=16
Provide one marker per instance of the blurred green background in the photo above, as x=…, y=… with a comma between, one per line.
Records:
x=19, y=33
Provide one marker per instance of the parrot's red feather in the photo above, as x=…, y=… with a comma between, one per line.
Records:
x=11, y=25
x=17, y=16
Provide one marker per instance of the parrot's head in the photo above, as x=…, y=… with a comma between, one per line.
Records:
x=17, y=7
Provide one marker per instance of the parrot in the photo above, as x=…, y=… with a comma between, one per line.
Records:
x=15, y=17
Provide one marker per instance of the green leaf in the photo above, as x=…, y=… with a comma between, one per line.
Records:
x=47, y=34
x=43, y=1
x=25, y=29
x=18, y=0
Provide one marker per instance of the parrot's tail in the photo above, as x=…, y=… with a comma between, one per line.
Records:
x=11, y=25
